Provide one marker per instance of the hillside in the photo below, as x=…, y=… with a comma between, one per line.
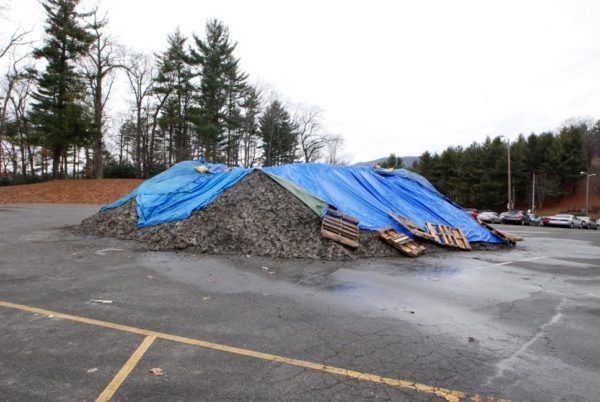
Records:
x=68, y=191
x=408, y=161
x=576, y=203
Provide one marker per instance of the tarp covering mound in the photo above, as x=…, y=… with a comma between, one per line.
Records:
x=362, y=192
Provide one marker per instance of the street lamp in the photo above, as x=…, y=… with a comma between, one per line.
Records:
x=510, y=202
x=587, y=190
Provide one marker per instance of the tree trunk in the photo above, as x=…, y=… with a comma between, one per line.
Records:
x=98, y=143
x=56, y=154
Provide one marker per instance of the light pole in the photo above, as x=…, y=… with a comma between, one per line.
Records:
x=587, y=190
x=510, y=202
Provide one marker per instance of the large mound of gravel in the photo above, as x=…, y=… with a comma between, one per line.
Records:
x=255, y=217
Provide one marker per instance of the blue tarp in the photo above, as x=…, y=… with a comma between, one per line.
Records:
x=369, y=195
x=177, y=192
x=362, y=192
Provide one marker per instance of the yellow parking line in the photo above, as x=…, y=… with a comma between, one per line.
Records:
x=449, y=394
x=127, y=368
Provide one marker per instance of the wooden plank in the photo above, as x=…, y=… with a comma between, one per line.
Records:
x=336, y=227
x=461, y=239
x=341, y=224
x=507, y=237
x=411, y=227
x=444, y=235
x=336, y=213
x=338, y=238
x=433, y=232
x=450, y=235
x=466, y=243
x=401, y=242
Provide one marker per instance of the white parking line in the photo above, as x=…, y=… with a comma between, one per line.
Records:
x=104, y=251
x=526, y=259
x=527, y=231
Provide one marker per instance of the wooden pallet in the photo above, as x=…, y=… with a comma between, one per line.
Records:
x=412, y=228
x=341, y=228
x=510, y=238
x=448, y=236
x=401, y=242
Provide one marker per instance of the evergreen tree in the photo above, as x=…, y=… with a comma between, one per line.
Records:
x=59, y=112
x=174, y=81
x=251, y=106
x=567, y=154
x=394, y=162
x=219, y=84
x=278, y=134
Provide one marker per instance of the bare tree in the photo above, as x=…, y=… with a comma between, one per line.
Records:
x=140, y=75
x=16, y=39
x=103, y=59
x=12, y=81
x=334, y=147
x=310, y=132
x=148, y=104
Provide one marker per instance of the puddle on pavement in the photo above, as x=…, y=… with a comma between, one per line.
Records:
x=344, y=287
x=436, y=272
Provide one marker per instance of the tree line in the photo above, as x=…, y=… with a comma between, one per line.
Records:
x=476, y=176
x=191, y=100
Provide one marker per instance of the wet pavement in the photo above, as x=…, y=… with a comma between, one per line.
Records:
x=520, y=324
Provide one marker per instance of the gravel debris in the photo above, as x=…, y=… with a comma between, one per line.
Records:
x=255, y=217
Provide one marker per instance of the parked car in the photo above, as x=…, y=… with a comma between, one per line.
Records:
x=587, y=222
x=564, y=220
x=516, y=218
x=489, y=217
x=545, y=220
x=535, y=220
x=598, y=224
x=472, y=211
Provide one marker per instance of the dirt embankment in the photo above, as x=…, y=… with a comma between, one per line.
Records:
x=68, y=191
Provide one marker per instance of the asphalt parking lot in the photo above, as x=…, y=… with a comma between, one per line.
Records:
x=85, y=318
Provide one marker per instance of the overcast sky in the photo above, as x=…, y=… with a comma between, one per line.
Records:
x=393, y=76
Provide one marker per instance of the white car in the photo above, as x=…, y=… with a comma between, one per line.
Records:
x=588, y=223
x=564, y=220
x=489, y=217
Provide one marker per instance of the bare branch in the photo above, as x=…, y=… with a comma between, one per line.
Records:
x=16, y=39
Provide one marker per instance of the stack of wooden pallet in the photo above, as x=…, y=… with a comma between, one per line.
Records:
x=344, y=229
x=440, y=234
x=341, y=228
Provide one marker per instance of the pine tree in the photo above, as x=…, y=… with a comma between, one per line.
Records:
x=394, y=162
x=278, y=134
x=174, y=81
x=59, y=112
x=220, y=76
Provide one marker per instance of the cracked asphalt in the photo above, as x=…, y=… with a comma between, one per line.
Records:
x=519, y=324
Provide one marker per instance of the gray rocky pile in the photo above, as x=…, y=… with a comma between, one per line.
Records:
x=255, y=217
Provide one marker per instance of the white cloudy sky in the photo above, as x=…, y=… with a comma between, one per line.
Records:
x=397, y=76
